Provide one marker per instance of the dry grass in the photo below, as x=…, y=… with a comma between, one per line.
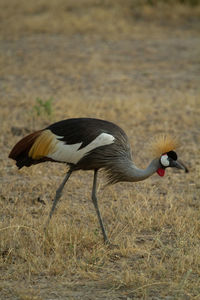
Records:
x=103, y=17
x=135, y=83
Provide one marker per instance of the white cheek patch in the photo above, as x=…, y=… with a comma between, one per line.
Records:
x=164, y=160
x=71, y=154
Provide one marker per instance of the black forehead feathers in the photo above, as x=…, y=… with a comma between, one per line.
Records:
x=172, y=154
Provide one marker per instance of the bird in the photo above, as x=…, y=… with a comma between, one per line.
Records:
x=93, y=144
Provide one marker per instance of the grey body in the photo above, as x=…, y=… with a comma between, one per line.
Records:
x=115, y=159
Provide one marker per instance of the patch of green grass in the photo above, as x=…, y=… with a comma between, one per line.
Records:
x=43, y=107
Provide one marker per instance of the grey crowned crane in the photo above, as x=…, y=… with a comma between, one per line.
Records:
x=92, y=144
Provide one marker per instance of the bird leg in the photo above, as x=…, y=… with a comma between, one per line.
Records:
x=94, y=200
x=58, y=194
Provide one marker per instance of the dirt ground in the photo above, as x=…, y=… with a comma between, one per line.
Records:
x=138, y=66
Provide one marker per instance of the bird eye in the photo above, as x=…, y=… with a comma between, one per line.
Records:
x=164, y=160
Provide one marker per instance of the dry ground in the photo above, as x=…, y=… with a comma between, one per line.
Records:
x=136, y=65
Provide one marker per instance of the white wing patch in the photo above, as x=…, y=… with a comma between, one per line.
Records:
x=71, y=154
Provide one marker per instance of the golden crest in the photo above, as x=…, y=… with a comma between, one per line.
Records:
x=162, y=144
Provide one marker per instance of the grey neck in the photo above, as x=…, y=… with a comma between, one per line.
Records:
x=136, y=174
x=125, y=170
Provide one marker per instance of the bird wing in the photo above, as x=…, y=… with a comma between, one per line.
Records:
x=81, y=130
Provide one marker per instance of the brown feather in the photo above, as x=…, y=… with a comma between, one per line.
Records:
x=43, y=145
x=34, y=148
x=24, y=145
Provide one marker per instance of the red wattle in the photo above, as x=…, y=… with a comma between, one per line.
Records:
x=161, y=172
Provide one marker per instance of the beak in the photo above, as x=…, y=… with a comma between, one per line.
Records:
x=179, y=165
